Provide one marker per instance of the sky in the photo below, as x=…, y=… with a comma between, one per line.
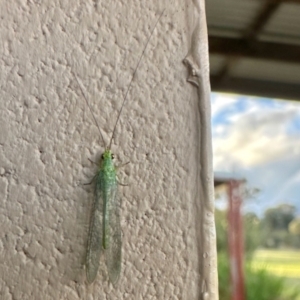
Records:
x=259, y=139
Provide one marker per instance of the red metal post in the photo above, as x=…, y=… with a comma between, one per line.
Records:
x=235, y=240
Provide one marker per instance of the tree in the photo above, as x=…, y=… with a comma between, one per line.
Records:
x=275, y=226
x=278, y=218
x=251, y=232
x=221, y=229
x=294, y=229
x=294, y=226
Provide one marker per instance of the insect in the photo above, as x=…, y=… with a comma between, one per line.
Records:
x=105, y=229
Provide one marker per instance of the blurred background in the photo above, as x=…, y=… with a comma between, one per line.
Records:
x=254, y=50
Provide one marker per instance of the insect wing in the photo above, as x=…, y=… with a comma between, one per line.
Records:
x=113, y=253
x=94, y=247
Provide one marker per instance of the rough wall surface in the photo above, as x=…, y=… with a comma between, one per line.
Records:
x=48, y=136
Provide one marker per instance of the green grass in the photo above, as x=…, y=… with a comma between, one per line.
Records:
x=260, y=283
x=278, y=262
x=282, y=263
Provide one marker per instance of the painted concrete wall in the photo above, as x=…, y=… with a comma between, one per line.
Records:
x=47, y=136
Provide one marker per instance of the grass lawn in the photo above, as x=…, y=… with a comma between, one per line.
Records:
x=285, y=263
x=278, y=262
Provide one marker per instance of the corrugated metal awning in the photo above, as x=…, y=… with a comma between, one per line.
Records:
x=255, y=47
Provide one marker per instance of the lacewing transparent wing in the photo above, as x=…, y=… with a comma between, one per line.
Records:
x=105, y=228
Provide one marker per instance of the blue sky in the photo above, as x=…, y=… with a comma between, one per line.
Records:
x=259, y=139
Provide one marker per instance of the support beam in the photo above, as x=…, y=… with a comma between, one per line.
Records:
x=254, y=87
x=262, y=18
x=257, y=49
x=285, y=1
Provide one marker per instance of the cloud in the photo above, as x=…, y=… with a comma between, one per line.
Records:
x=254, y=133
x=260, y=140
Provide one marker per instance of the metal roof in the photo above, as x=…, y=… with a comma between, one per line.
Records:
x=254, y=47
x=225, y=177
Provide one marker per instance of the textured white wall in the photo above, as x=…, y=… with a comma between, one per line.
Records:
x=48, y=136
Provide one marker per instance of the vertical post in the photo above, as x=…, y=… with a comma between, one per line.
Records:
x=167, y=215
x=235, y=240
x=197, y=62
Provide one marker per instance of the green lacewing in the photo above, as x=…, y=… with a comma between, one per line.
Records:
x=105, y=229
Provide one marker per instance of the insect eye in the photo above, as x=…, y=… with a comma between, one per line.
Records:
x=112, y=156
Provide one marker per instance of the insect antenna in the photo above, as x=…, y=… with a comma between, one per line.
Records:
x=88, y=104
x=129, y=86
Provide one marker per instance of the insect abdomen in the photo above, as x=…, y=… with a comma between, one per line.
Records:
x=108, y=184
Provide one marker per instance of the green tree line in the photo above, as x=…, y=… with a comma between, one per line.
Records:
x=278, y=228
